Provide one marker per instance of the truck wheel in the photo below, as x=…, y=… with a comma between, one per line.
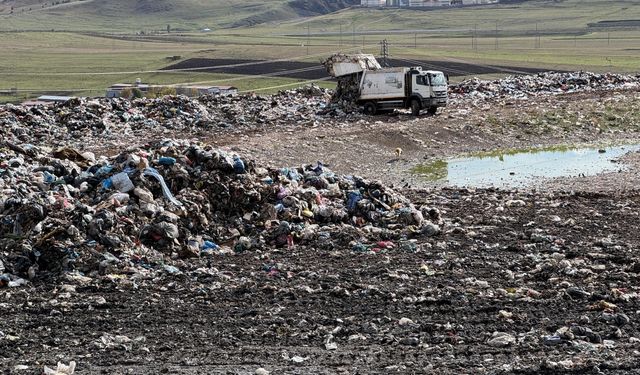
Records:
x=415, y=107
x=432, y=110
x=370, y=108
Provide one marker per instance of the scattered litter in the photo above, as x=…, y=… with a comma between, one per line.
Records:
x=527, y=86
x=219, y=199
x=61, y=369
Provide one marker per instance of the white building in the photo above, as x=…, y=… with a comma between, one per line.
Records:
x=422, y=3
x=373, y=3
x=428, y=3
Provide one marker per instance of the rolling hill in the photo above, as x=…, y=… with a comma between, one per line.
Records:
x=149, y=15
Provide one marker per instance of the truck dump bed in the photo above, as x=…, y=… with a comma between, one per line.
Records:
x=383, y=84
x=340, y=65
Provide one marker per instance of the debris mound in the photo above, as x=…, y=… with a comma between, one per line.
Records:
x=346, y=69
x=547, y=83
x=79, y=120
x=62, y=211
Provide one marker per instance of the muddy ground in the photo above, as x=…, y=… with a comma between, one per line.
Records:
x=368, y=146
x=518, y=282
x=311, y=70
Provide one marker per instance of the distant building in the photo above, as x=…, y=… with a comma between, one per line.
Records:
x=116, y=90
x=47, y=99
x=373, y=3
x=206, y=90
x=54, y=98
x=422, y=3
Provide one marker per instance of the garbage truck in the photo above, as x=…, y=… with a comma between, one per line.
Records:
x=376, y=89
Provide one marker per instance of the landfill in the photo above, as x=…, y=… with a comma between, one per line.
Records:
x=82, y=121
x=62, y=211
x=525, y=86
x=233, y=235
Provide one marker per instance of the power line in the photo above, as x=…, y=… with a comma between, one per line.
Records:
x=287, y=85
x=237, y=78
x=496, y=34
x=308, y=37
x=384, y=52
x=251, y=63
x=247, y=76
x=498, y=68
x=427, y=65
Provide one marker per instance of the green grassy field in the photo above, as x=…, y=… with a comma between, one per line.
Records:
x=85, y=63
x=128, y=16
x=67, y=63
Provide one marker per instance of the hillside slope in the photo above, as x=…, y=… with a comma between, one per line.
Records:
x=135, y=15
x=512, y=17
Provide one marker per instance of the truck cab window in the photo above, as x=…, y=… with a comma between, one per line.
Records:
x=422, y=80
x=438, y=79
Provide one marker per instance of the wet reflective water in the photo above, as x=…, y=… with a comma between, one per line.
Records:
x=519, y=168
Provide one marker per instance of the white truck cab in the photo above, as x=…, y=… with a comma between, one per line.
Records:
x=430, y=87
x=413, y=88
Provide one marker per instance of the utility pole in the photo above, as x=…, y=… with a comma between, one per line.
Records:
x=384, y=51
x=496, y=34
x=353, y=42
x=340, y=35
x=308, y=37
x=608, y=39
x=474, y=39
x=415, y=41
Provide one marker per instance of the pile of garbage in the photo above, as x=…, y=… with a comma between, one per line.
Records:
x=345, y=97
x=525, y=86
x=63, y=211
x=346, y=69
x=78, y=118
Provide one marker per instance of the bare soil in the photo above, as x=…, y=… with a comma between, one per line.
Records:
x=310, y=70
x=239, y=318
x=368, y=146
x=532, y=265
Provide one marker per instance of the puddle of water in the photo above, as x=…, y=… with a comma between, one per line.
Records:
x=518, y=168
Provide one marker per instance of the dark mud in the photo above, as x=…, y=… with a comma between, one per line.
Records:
x=529, y=265
x=310, y=70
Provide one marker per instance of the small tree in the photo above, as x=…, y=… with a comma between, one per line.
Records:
x=132, y=93
x=158, y=92
x=137, y=93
